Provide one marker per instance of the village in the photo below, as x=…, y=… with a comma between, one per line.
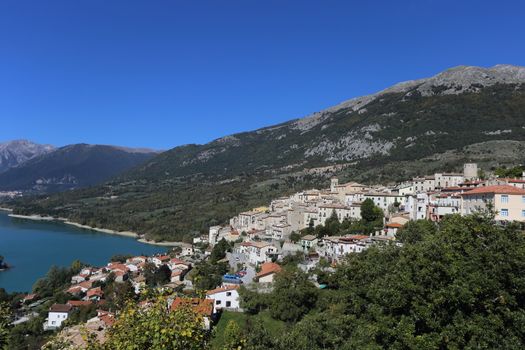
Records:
x=255, y=242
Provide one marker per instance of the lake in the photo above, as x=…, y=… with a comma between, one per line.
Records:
x=32, y=247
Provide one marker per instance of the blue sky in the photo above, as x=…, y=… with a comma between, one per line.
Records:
x=163, y=73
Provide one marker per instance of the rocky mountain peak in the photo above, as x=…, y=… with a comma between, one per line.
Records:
x=16, y=152
x=454, y=80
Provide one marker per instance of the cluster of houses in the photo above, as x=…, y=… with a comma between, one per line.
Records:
x=263, y=230
x=85, y=288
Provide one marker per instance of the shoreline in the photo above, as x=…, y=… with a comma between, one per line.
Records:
x=162, y=243
x=6, y=209
x=129, y=234
x=33, y=217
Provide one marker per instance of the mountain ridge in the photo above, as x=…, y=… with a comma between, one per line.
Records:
x=422, y=126
x=71, y=166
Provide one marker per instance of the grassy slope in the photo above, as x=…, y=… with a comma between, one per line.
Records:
x=274, y=327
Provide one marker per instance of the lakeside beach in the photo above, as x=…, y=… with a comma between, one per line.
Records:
x=130, y=234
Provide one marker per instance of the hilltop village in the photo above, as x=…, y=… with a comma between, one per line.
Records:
x=251, y=250
x=265, y=232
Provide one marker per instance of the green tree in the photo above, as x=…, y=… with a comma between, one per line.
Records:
x=5, y=320
x=332, y=224
x=293, y=295
x=233, y=336
x=372, y=216
x=219, y=250
x=154, y=328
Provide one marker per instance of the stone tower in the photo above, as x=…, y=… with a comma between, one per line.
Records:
x=334, y=182
x=470, y=171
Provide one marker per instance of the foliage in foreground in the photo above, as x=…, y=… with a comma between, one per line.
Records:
x=154, y=327
x=460, y=284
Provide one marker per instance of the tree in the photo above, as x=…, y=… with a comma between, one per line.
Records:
x=332, y=224
x=5, y=320
x=233, y=336
x=162, y=275
x=253, y=302
x=293, y=295
x=154, y=328
x=295, y=237
x=372, y=216
x=219, y=250
x=416, y=231
x=118, y=294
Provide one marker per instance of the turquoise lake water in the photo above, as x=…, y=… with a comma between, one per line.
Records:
x=32, y=247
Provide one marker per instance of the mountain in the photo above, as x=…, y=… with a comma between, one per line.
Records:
x=416, y=127
x=72, y=166
x=14, y=153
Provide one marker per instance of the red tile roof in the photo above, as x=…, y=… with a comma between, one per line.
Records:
x=394, y=225
x=60, y=308
x=519, y=181
x=496, y=189
x=221, y=289
x=77, y=303
x=268, y=268
x=201, y=306
x=95, y=291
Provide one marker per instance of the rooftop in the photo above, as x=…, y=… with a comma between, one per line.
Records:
x=496, y=189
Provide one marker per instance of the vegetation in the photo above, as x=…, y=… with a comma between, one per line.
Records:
x=458, y=284
x=207, y=274
x=154, y=327
x=514, y=172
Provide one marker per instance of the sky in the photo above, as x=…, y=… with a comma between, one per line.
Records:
x=159, y=74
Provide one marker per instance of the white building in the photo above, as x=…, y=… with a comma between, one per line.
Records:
x=224, y=298
x=257, y=252
x=57, y=314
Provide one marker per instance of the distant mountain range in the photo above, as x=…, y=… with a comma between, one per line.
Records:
x=462, y=114
x=14, y=153
x=43, y=169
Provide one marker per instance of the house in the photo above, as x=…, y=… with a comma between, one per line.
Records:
x=78, y=278
x=226, y=297
x=507, y=201
x=79, y=303
x=137, y=260
x=29, y=298
x=308, y=242
x=176, y=276
x=267, y=273
x=94, y=294
x=178, y=264
x=160, y=260
x=257, y=252
x=326, y=210
x=337, y=247
x=391, y=229
x=56, y=315
x=280, y=231
x=204, y=307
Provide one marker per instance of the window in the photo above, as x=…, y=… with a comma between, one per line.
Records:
x=504, y=198
x=228, y=294
x=504, y=212
x=217, y=302
x=523, y=213
x=228, y=303
x=523, y=199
